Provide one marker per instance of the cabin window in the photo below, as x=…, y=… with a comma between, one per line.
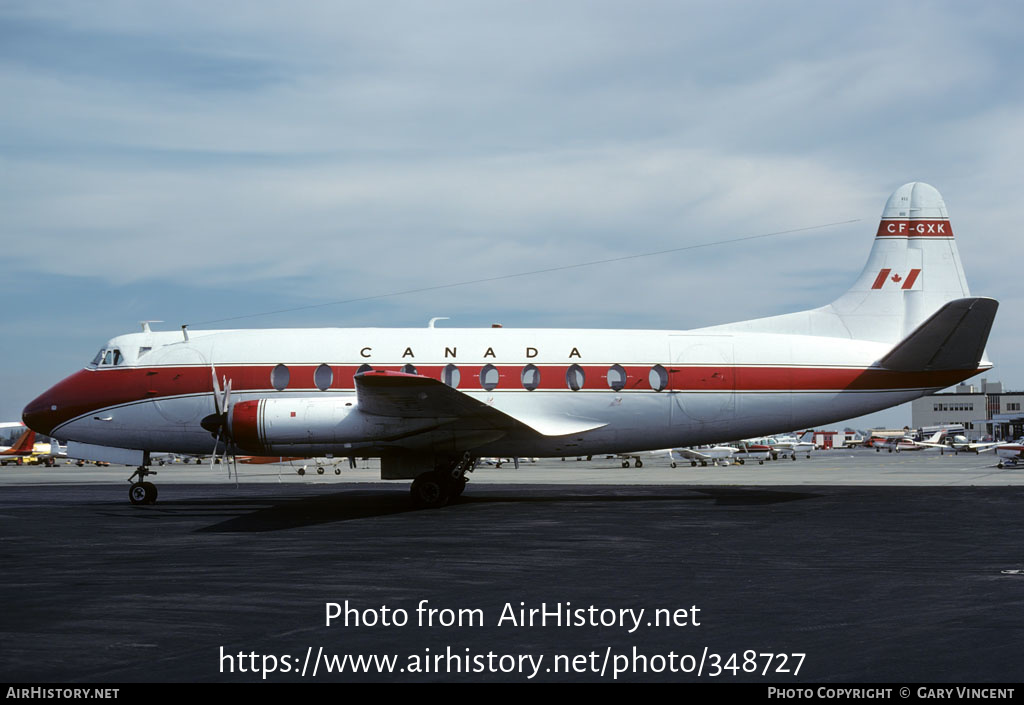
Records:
x=658, y=378
x=98, y=359
x=108, y=357
x=574, y=378
x=409, y=369
x=323, y=376
x=616, y=377
x=364, y=368
x=530, y=377
x=143, y=351
x=489, y=377
x=279, y=377
x=451, y=376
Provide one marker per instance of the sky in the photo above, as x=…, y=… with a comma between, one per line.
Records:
x=199, y=161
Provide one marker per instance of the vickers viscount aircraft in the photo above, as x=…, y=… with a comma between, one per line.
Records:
x=430, y=401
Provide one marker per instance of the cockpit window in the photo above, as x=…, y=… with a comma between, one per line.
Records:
x=107, y=358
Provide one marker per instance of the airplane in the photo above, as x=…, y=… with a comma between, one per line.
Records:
x=714, y=454
x=959, y=444
x=793, y=445
x=786, y=446
x=746, y=450
x=1010, y=454
x=12, y=424
x=19, y=452
x=905, y=443
x=430, y=401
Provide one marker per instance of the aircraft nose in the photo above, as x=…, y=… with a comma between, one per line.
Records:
x=40, y=415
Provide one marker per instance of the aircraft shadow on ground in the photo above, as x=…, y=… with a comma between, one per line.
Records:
x=288, y=513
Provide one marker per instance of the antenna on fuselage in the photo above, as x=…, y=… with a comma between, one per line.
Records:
x=184, y=331
x=435, y=319
x=145, y=325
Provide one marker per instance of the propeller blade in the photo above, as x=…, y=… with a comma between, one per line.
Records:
x=216, y=391
x=227, y=397
x=213, y=455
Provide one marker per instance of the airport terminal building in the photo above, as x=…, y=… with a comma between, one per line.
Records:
x=982, y=409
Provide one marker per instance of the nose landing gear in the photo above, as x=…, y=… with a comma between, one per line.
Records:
x=142, y=492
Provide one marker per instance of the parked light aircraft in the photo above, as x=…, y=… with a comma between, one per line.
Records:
x=905, y=443
x=714, y=454
x=960, y=444
x=787, y=446
x=21, y=450
x=1010, y=454
x=430, y=401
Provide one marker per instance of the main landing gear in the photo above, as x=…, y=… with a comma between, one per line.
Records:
x=444, y=484
x=142, y=492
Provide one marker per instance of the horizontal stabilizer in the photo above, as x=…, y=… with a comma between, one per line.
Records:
x=398, y=394
x=953, y=338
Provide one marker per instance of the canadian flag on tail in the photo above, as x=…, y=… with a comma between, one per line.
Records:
x=907, y=280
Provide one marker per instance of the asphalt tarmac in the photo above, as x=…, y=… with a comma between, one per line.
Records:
x=850, y=566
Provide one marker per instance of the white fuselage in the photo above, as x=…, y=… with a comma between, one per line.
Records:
x=609, y=390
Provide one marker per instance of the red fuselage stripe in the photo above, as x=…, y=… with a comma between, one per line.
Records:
x=92, y=389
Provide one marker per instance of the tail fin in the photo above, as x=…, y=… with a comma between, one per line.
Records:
x=913, y=269
x=23, y=444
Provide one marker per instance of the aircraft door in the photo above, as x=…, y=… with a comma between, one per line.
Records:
x=703, y=379
x=176, y=373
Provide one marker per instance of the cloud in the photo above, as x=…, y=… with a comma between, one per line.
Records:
x=320, y=152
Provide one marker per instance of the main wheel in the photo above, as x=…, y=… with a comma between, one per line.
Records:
x=319, y=471
x=625, y=463
x=673, y=464
x=337, y=471
x=638, y=463
x=428, y=491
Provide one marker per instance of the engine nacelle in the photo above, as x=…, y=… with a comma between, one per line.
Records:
x=312, y=426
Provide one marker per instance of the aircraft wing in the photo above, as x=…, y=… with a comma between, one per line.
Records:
x=691, y=454
x=409, y=396
x=982, y=447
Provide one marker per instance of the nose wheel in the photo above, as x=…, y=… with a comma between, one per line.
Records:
x=142, y=492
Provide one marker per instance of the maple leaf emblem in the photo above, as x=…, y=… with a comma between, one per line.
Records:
x=896, y=277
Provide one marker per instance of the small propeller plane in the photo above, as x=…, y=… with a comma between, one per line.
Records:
x=430, y=401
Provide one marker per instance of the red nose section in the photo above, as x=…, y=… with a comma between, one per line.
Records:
x=82, y=392
x=40, y=414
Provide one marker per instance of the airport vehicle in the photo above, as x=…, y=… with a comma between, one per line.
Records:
x=430, y=401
